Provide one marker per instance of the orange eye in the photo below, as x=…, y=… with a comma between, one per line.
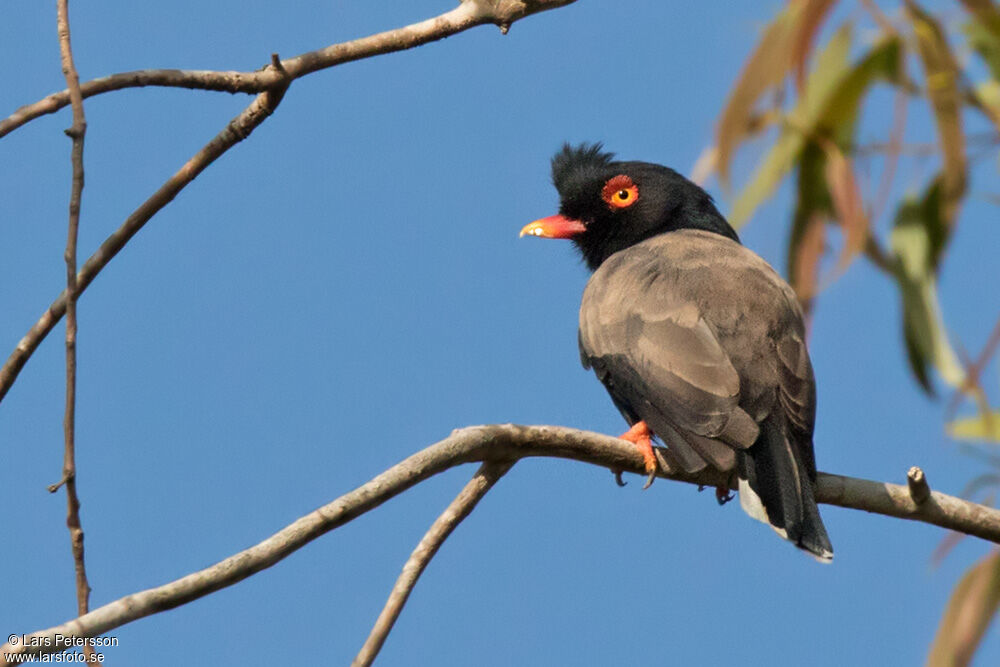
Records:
x=620, y=192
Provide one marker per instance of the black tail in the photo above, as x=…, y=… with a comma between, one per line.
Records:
x=776, y=487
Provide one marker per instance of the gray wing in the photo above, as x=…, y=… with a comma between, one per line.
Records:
x=662, y=363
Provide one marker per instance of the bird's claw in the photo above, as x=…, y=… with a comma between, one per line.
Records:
x=723, y=495
x=618, y=477
x=641, y=437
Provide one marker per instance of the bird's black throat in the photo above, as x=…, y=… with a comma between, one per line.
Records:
x=602, y=239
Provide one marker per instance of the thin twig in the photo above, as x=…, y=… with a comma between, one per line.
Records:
x=972, y=372
x=985, y=140
x=272, y=81
x=899, y=107
x=76, y=133
x=468, y=14
x=235, y=131
x=879, y=256
x=460, y=507
x=880, y=18
x=499, y=443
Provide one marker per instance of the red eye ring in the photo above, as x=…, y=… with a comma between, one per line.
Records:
x=620, y=192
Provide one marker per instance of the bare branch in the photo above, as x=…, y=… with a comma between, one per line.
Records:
x=232, y=82
x=920, y=490
x=880, y=18
x=893, y=148
x=878, y=256
x=469, y=14
x=76, y=133
x=272, y=81
x=501, y=443
x=460, y=507
x=971, y=384
x=237, y=130
x=899, y=107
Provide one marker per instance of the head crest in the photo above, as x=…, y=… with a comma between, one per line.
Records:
x=571, y=159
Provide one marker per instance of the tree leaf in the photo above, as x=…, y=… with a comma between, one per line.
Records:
x=882, y=63
x=813, y=14
x=808, y=237
x=847, y=203
x=983, y=32
x=986, y=43
x=830, y=68
x=917, y=239
x=828, y=107
x=985, y=11
x=921, y=229
x=942, y=74
x=808, y=253
x=983, y=35
x=972, y=606
x=766, y=67
x=987, y=98
x=981, y=427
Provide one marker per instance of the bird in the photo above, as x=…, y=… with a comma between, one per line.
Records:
x=698, y=340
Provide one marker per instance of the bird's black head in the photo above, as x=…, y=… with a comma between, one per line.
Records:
x=606, y=206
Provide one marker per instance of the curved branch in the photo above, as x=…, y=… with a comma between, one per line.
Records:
x=501, y=443
x=468, y=14
x=271, y=82
x=232, y=82
x=460, y=507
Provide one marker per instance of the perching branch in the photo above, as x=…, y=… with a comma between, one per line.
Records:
x=460, y=507
x=271, y=82
x=76, y=133
x=502, y=444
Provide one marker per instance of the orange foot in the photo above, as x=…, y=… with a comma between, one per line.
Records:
x=641, y=437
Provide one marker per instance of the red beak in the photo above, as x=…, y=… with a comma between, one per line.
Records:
x=554, y=227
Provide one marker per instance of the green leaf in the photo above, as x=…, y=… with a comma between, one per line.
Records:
x=972, y=606
x=830, y=68
x=766, y=67
x=828, y=107
x=807, y=239
x=921, y=232
x=986, y=43
x=942, y=73
x=917, y=239
x=981, y=427
x=883, y=63
x=921, y=328
x=988, y=94
x=983, y=32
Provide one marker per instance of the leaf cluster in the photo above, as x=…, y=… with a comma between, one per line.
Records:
x=802, y=97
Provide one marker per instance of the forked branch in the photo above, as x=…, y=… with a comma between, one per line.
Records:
x=271, y=83
x=501, y=444
x=461, y=507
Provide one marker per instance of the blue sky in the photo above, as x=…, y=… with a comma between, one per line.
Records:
x=347, y=287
